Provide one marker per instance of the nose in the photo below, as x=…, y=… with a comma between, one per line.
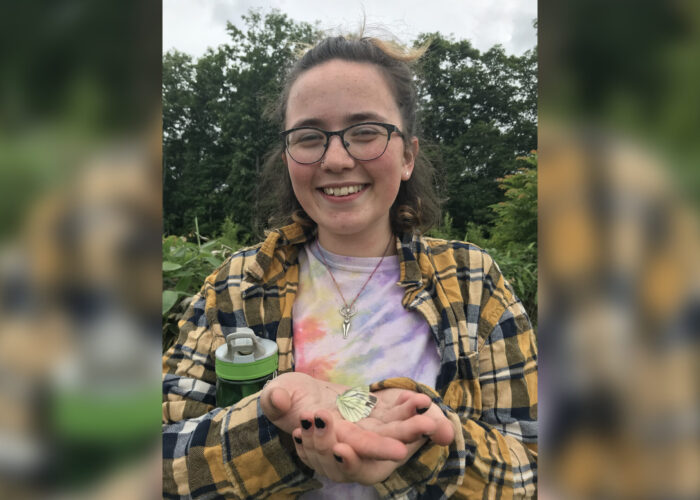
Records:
x=336, y=158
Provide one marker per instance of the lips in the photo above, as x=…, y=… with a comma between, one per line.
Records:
x=343, y=190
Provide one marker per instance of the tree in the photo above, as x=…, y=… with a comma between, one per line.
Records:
x=516, y=216
x=215, y=133
x=178, y=77
x=512, y=239
x=480, y=112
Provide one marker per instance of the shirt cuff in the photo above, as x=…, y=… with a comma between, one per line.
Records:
x=432, y=464
x=259, y=458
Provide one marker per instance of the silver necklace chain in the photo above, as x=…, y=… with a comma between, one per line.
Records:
x=348, y=311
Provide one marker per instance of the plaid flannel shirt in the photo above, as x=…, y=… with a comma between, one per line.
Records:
x=487, y=384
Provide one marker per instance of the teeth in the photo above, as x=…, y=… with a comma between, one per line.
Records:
x=342, y=191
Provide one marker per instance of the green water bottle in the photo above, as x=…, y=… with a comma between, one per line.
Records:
x=243, y=365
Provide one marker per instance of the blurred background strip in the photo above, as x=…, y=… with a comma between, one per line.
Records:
x=619, y=249
x=80, y=222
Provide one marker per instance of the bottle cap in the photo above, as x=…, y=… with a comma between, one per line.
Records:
x=245, y=356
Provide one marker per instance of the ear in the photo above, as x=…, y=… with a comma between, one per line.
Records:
x=409, y=158
x=284, y=158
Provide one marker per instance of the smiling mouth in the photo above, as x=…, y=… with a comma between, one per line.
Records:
x=343, y=191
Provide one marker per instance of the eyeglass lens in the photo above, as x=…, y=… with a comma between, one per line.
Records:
x=363, y=142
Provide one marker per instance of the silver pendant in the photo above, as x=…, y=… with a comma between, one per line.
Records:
x=347, y=313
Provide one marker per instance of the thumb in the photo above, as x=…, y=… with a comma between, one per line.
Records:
x=275, y=403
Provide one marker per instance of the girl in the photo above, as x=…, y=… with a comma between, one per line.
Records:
x=353, y=294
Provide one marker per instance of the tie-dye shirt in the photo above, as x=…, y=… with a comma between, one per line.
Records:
x=381, y=332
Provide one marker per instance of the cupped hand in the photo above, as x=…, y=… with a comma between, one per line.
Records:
x=287, y=395
x=397, y=414
x=347, y=452
x=366, y=451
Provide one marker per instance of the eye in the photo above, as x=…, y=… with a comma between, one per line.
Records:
x=306, y=138
x=366, y=132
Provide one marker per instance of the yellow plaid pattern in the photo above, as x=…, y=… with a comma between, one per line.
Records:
x=487, y=385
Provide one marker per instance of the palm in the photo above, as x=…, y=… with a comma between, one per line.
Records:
x=303, y=393
x=292, y=397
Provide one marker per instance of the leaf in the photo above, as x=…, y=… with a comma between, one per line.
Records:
x=213, y=261
x=210, y=244
x=170, y=266
x=184, y=284
x=169, y=300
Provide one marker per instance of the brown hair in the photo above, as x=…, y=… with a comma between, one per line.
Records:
x=416, y=206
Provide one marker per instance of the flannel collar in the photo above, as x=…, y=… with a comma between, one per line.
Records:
x=281, y=249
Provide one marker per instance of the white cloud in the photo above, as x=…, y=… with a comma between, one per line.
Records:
x=193, y=25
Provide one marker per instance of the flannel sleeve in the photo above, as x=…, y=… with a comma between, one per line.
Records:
x=234, y=452
x=493, y=408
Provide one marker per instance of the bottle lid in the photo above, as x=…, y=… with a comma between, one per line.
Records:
x=245, y=356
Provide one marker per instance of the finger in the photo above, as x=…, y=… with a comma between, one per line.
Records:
x=407, y=405
x=323, y=432
x=444, y=432
x=403, y=397
x=306, y=433
x=360, y=470
x=275, y=403
x=299, y=444
x=368, y=444
x=348, y=461
x=409, y=430
x=306, y=419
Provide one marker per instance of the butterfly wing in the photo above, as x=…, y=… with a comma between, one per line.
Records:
x=356, y=403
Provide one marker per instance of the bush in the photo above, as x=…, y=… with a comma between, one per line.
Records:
x=186, y=264
x=512, y=240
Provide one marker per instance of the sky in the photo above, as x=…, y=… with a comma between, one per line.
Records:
x=191, y=26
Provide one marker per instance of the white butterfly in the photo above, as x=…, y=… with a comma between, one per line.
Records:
x=356, y=403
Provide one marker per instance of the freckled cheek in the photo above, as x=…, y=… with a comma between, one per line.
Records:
x=301, y=178
x=302, y=186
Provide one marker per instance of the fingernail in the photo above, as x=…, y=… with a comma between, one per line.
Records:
x=420, y=411
x=426, y=436
x=337, y=458
x=298, y=440
x=306, y=424
x=319, y=423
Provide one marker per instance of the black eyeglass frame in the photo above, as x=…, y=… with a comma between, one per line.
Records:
x=341, y=133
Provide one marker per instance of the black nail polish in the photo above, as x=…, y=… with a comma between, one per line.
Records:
x=420, y=411
x=337, y=458
x=298, y=440
x=319, y=423
x=306, y=424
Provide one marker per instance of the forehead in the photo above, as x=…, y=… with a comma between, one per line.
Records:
x=338, y=88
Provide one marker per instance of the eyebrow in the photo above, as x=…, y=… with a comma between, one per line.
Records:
x=349, y=119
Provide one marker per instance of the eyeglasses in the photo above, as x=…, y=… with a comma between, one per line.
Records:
x=363, y=141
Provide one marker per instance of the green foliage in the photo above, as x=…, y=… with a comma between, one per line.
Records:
x=186, y=264
x=512, y=239
x=479, y=110
x=230, y=234
x=445, y=230
x=516, y=218
x=215, y=134
x=477, y=234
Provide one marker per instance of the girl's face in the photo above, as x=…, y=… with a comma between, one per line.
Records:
x=333, y=96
